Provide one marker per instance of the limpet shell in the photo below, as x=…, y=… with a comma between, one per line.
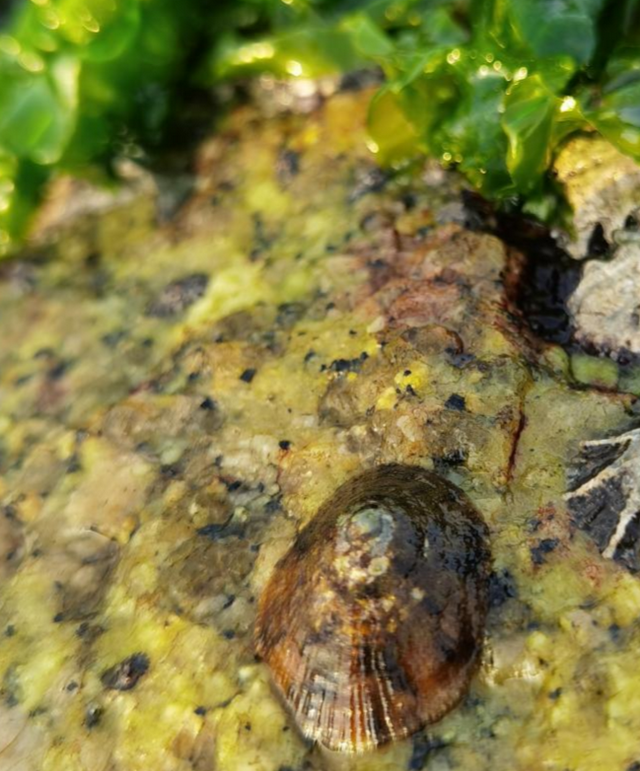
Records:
x=372, y=623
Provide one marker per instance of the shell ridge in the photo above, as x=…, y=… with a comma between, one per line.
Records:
x=383, y=682
x=373, y=621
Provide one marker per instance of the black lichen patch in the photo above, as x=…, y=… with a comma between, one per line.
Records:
x=111, y=339
x=459, y=360
x=217, y=531
x=542, y=549
x=89, y=633
x=289, y=314
x=10, y=687
x=423, y=748
x=287, y=166
x=248, y=375
x=93, y=716
x=455, y=402
x=73, y=464
x=262, y=240
x=273, y=504
x=348, y=365
x=450, y=460
x=125, y=675
x=58, y=370
x=502, y=587
x=178, y=295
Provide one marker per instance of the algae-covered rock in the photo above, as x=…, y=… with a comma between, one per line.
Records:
x=164, y=438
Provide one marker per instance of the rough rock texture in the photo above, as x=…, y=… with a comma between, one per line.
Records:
x=603, y=189
x=605, y=306
x=155, y=465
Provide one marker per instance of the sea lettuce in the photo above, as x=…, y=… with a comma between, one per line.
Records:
x=492, y=87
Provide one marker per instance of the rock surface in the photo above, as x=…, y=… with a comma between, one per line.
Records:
x=155, y=466
x=603, y=189
x=605, y=306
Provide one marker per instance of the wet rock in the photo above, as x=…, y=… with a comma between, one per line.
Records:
x=21, y=740
x=85, y=215
x=207, y=580
x=154, y=422
x=250, y=325
x=81, y=566
x=186, y=512
x=199, y=750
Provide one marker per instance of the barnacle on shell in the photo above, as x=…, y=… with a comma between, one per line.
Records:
x=372, y=623
x=604, y=495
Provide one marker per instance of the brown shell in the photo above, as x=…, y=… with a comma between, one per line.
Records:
x=372, y=623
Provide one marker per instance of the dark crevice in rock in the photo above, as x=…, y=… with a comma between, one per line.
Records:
x=542, y=276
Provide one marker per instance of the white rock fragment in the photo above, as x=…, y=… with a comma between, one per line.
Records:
x=605, y=306
x=603, y=188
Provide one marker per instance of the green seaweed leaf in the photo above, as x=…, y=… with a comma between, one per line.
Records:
x=557, y=27
x=490, y=86
x=535, y=121
x=614, y=108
